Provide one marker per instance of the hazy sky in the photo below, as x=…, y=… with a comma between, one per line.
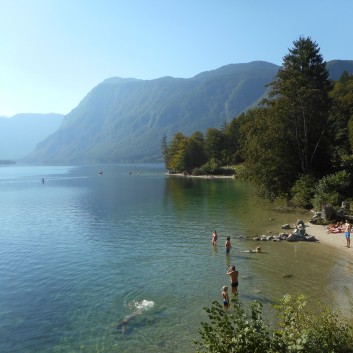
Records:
x=53, y=52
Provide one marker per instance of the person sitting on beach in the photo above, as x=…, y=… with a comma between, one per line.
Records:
x=335, y=228
x=225, y=297
x=214, y=238
x=228, y=245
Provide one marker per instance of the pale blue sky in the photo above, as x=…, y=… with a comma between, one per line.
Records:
x=53, y=52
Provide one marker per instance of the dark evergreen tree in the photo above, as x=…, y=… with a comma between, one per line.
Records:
x=300, y=96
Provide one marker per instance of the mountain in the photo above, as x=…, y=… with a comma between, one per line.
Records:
x=337, y=67
x=20, y=134
x=124, y=120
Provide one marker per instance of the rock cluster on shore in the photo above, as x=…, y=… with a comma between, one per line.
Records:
x=298, y=234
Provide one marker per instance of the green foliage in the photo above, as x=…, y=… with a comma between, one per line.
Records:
x=269, y=162
x=176, y=153
x=241, y=330
x=350, y=132
x=332, y=189
x=236, y=331
x=184, y=153
x=196, y=155
x=303, y=191
x=215, y=144
x=341, y=122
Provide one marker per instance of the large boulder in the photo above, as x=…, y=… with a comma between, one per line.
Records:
x=328, y=212
x=346, y=206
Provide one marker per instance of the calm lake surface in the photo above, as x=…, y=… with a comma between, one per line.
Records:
x=82, y=251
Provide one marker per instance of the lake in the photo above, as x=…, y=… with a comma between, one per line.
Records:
x=82, y=252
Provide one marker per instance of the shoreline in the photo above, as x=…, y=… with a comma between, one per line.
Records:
x=203, y=176
x=336, y=240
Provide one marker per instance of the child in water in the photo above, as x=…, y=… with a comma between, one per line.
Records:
x=225, y=297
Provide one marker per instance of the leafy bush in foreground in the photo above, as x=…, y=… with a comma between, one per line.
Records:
x=297, y=330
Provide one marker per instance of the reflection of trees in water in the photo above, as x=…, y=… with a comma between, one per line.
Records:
x=225, y=201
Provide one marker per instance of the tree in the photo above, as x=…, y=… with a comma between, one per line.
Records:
x=176, y=153
x=195, y=152
x=285, y=139
x=300, y=96
x=341, y=117
x=268, y=158
x=215, y=144
x=233, y=140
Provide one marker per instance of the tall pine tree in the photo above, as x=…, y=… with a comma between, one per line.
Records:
x=300, y=96
x=287, y=138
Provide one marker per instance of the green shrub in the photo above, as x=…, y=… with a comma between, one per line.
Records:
x=211, y=167
x=297, y=330
x=332, y=189
x=303, y=191
x=197, y=171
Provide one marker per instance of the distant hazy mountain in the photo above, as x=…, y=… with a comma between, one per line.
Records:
x=124, y=120
x=20, y=134
x=337, y=67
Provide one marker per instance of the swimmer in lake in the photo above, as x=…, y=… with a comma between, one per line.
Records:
x=257, y=250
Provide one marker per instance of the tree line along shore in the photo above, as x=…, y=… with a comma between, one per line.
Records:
x=296, y=144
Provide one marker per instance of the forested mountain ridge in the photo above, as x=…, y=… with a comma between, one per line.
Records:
x=20, y=134
x=124, y=120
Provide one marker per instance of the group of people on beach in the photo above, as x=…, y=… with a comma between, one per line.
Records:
x=339, y=228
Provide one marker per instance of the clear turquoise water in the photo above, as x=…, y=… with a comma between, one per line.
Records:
x=83, y=251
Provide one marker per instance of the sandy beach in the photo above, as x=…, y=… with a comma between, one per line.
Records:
x=337, y=240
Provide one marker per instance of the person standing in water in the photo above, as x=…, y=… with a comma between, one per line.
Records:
x=228, y=245
x=225, y=297
x=214, y=238
x=233, y=276
x=347, y=233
